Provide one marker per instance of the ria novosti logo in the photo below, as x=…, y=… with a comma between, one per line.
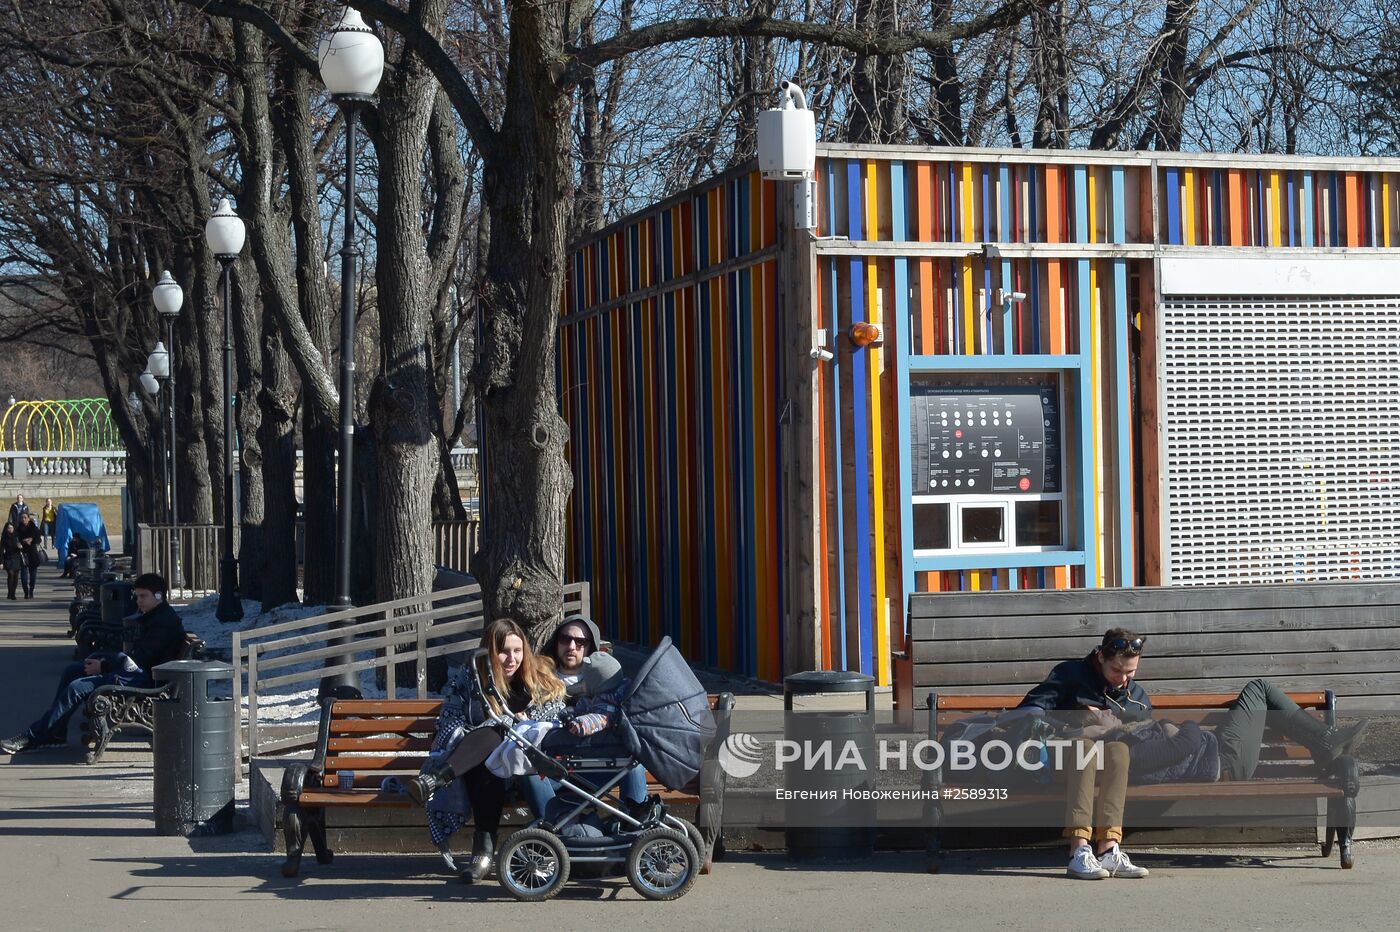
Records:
x=741, y=755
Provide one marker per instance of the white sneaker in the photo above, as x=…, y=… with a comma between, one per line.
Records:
x=1116, y=862
x=1084, y=866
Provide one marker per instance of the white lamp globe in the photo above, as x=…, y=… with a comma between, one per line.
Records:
x=133, y=401
x=168, y=296
x=158, y=363
x=351, y=57
x=224, y=232
x=149, y=383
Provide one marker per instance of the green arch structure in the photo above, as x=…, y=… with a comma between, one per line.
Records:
x=58, y=426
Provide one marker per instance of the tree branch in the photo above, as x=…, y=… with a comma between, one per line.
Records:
x=859, y=41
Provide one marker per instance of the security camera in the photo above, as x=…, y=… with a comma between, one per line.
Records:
x=822, y=355
x=1018, y=296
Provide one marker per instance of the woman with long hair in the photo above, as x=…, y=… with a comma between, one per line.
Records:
x=531, y=692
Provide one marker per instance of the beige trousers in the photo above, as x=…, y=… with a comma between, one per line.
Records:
x=1083, y=819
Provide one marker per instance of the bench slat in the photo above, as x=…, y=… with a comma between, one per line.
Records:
x=375, y=726
x=366, y=707
x=398, y=743
x=1308, y=700
x=338, y=762
x=364, y=798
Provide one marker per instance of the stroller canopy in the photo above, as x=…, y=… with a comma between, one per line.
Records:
x=666, y=719
x=80, y=518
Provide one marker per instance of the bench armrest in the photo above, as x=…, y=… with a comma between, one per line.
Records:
x=294, y=781
x=101, y=693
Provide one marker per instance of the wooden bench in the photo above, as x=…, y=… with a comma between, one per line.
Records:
x=1282, y=771
x=113, y=708
x=377, y=739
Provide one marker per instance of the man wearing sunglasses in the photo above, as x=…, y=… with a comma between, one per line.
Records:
x=1103, y=683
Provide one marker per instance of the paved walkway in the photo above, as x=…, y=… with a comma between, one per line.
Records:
x=78, y=850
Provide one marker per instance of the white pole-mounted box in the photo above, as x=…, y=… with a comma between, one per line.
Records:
x=787, y=139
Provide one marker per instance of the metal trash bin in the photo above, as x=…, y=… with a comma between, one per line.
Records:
x=840, y=828
x=194, y=730
x=118, y=600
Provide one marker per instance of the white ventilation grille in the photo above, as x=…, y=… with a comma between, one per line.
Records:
x=1282, y=439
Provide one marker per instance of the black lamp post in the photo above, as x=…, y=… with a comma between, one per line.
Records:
x=224, y=233
x=352, y=62
x=151, y=386
x=168, y=297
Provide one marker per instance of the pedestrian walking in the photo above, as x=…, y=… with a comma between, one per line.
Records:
x=16, y=509
x=48, y=522
x=11, y=555
x=27, y=533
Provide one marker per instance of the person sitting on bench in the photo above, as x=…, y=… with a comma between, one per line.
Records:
x=1105, y=683
x=156, y=636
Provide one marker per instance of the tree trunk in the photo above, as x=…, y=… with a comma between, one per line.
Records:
x=278, y=570
x=526, y=480
x=400, y=413
x=247, y=340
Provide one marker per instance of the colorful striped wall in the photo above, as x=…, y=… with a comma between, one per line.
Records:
x=670, y=369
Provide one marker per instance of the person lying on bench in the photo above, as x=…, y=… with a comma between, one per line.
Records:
x=1105, y=683
x=156, y=636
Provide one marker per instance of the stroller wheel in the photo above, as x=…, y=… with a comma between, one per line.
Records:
x=662, y=864
x=533, y=865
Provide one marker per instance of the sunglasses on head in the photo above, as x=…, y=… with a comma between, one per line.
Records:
x=1124, y=646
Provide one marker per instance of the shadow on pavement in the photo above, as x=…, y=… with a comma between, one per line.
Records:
x=397, y=877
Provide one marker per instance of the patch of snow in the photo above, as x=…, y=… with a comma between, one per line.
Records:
x=291, y=703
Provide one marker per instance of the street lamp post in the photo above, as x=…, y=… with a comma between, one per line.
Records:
x=352, y=62
x=158, y=365
x=151, y=387
x=168, y=297
x=224, y=233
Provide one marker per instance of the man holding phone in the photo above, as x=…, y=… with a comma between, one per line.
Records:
x=153, y=637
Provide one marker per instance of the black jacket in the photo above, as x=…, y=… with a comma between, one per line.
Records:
x=28, y=538
x=157, y=639
x=1076, y=684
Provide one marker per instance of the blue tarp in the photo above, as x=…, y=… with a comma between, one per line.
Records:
x=80, y=518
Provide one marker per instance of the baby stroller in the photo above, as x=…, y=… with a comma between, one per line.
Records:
x=666, y=725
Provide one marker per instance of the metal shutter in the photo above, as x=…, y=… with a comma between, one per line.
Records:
x=1282, y=439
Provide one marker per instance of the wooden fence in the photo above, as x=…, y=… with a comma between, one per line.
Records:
x=1339, y=636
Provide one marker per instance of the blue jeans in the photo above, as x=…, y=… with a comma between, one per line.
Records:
x=26, y=576
x=540, y=790
x=73, y=690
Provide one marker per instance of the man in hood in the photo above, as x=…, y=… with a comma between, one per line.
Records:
x=574, y=639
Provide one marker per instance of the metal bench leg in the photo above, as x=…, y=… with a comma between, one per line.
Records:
x=294, y=831
x=934, y=850
x=1341, y=823
x=316, y=828
x=96, y=734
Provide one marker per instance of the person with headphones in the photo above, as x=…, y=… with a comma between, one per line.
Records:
x=149, y=639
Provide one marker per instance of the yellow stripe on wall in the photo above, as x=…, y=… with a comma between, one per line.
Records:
x=969, y=310
x=881, y=620
x=1096, y=409
x=968, y=197
x=1188, y=207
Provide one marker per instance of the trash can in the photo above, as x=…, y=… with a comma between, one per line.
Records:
x=118, y=600
x=194, y=748
x=831, y=807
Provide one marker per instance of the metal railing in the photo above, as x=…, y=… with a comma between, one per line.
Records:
x=454, y=542
x=187, y=556
x=64, y=465
x=387, y=634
